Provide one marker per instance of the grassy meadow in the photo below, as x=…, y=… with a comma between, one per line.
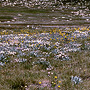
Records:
x=43, y=58
x=51, y=73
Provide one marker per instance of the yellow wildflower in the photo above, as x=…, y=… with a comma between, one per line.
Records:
x=59, y=81
x=39, y=82
x=59, y=86
x=65, y=36
x=50, y=32
x=54, y=83
x=55, y=77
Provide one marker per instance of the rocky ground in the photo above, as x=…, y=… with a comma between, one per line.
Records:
x=21, y=17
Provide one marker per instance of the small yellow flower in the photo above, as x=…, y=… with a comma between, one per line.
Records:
x=65, y=37
x=50, y=32
x=60, y=33
x=54, y=83
x=88, y=29
x=55, y=77
x=55, y=47
x=39, y=82
x=59, y=86
x=59, y=81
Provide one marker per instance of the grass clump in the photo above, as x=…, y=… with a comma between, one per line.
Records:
x=17, y=84
x=45, y=64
